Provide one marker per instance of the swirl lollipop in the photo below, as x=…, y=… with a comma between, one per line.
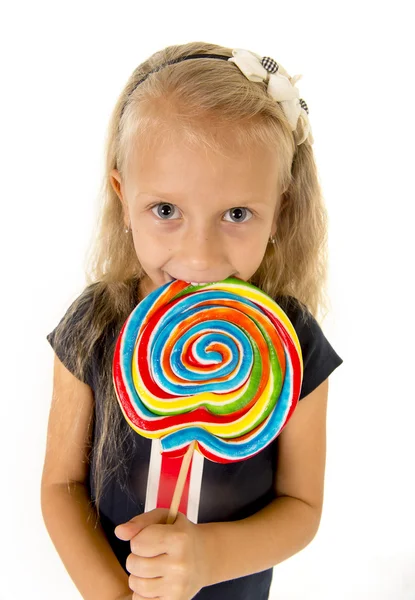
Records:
x=216, y=367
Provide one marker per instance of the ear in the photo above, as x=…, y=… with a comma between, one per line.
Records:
x=118, y=187
x=277, y=211
x=274, y=225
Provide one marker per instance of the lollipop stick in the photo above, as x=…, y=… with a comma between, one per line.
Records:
x=181, y=480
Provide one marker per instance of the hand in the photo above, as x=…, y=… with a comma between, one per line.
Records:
x=168, y=562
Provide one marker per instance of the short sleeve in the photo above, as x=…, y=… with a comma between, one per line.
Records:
x=319, y=357
x=66, y=339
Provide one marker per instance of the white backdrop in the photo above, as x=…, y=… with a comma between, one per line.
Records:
x=63, y=66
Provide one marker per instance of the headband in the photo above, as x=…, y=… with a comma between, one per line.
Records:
x=281, y=86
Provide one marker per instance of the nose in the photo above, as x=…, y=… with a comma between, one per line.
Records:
x=201, y=256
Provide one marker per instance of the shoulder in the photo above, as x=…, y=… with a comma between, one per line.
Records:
x=74, y=336
x=80, y=339
x=319, y=357
x=80, y=309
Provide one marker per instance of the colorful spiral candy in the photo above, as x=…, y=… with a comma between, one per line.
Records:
x=219, y=363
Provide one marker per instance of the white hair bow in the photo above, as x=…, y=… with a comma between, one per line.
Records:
x=281, y=86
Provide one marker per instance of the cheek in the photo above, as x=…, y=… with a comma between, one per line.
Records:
x=246, y=258
x=252, y=250
x=149, y=247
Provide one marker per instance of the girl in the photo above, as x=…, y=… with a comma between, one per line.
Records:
x=209, y=174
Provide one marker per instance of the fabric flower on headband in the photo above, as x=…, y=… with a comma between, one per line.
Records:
x=281, y=86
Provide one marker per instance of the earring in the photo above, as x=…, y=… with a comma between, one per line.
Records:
x=272, y=240
x=127, y=229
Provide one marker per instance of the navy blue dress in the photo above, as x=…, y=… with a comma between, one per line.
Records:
x=229, y=492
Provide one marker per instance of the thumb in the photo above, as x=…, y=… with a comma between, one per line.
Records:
x=126, y=531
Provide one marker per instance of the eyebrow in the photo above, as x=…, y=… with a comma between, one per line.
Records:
x=170, y=198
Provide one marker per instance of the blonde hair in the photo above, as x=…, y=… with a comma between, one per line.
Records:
x=204, y=97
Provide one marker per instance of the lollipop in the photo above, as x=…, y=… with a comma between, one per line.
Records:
x=216, y=367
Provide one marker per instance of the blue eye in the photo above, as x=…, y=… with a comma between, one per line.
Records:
x=164, y=210
x=239, y=214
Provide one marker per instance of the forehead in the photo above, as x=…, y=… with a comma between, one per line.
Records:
x=216, y=160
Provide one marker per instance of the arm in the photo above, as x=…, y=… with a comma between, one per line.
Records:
x=289, y=522
x=67, y=511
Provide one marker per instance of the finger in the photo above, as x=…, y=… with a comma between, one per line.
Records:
x=125, y=531
x=147, y=588
x=152, y=541
x=147, y=567
x=139, y=597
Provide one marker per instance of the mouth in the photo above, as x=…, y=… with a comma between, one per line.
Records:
x=195, y=283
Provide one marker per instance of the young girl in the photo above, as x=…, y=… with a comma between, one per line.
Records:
x=209, y=174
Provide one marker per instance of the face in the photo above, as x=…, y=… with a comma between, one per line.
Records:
x=196, y=215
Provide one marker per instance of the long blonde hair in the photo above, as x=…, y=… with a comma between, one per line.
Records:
x=202, y=96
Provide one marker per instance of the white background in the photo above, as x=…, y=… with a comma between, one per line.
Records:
x=63, y=66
